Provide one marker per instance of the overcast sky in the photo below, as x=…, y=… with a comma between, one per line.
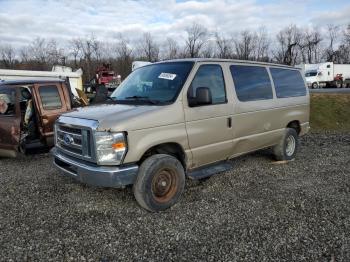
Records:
x=23, y=20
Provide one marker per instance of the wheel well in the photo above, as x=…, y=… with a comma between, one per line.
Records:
x=295, y=125
x=172, y=149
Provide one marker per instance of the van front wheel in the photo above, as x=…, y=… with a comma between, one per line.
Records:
x=288, y=146
x=160, y=182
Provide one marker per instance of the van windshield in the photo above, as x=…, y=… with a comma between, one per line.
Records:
x=311, y=73
x=153, y=84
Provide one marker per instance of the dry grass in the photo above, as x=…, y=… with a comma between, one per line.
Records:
x=330, y=112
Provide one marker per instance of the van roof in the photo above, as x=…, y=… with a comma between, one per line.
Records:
x=29, y=81
x=228, y=61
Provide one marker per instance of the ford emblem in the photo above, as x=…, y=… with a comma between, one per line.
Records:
x=68, y=139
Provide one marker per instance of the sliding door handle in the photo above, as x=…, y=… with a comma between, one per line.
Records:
x=229, y=122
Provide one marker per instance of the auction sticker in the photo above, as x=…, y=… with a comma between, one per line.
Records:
x=167, y=76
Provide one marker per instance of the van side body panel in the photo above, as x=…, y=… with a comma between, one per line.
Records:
x=261, y=123
x=170, y=129
x=209, y=136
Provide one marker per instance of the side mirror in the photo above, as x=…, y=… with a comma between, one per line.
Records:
x=203, y=97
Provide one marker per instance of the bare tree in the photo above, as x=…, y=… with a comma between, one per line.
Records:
x=196, y=38
x=124, y=56
x=245, y=45
x=24, y=55
x=149, y=49
x=90, y=50
x=288, y=45
x=171, y=48
x=330, y=53
x=208, y=51
x=8, y=56
x=75, y=50
x=309, y=46
x=262, y=45
x=54, y=53
x=224, y=46
x=123, y=49
x=343, y=52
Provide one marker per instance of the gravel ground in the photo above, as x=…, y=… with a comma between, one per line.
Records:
x=259, y=211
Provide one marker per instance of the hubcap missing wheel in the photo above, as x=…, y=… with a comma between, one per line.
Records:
x=290, y=145
x=164, y=185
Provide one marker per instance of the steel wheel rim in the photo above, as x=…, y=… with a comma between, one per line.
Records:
x=164, y=185
x=290, y=145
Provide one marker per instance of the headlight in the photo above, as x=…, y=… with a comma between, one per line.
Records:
x=110, y=148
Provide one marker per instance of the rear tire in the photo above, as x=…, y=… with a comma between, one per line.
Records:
x=339, y=84
x=160, y=182
x=314, y=85
x=287, y=148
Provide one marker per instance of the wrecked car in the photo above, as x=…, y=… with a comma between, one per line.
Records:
x=28, y=111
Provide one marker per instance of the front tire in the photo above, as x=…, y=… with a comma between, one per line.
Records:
x=314, y=85
x=160, y=182
x=287, y=148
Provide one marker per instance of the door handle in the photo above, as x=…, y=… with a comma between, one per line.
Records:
x=229, y=122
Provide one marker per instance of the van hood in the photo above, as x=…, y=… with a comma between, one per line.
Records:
x=121, y=117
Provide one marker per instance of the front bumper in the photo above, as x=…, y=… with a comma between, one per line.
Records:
x=103, y=176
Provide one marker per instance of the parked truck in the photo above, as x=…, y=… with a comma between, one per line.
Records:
x=327, y=75
x=104, y=76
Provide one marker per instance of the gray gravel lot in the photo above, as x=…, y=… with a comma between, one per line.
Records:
x=259, y=211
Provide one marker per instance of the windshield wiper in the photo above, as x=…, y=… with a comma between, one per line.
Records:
x=143, y=98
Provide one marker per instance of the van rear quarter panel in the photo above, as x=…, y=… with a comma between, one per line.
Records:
x=259, y=124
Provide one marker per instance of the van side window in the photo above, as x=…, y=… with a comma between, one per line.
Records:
x=288, y=82
x=209, y=76
x=251, y=83
x=50, y=97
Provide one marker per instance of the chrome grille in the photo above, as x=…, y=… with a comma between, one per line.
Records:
x=74, y=140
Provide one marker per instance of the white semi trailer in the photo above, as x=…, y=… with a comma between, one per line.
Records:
x=327, y=75
x=62, y=72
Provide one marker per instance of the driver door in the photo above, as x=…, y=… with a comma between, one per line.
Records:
x=208, y=126
x=10, y=121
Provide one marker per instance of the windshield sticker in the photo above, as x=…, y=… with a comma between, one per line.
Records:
x=167, y=76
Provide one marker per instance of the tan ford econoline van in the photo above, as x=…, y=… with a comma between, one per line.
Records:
x=181, y=118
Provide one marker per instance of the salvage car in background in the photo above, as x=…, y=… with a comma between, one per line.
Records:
x=28, y=110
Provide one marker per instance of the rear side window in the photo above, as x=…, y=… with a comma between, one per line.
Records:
x=50, y=97
x=251, y=82
x=210, y=76
x=288, y=83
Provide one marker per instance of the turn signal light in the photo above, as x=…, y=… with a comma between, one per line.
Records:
x=118, y=146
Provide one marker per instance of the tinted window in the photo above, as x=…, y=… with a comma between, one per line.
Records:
x=251, y=82
x=311, y=73
x=288, y=83
x=7, y=100
x=209, y=76
x=50, y=97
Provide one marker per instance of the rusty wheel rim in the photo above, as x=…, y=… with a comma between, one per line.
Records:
x=164, y=185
